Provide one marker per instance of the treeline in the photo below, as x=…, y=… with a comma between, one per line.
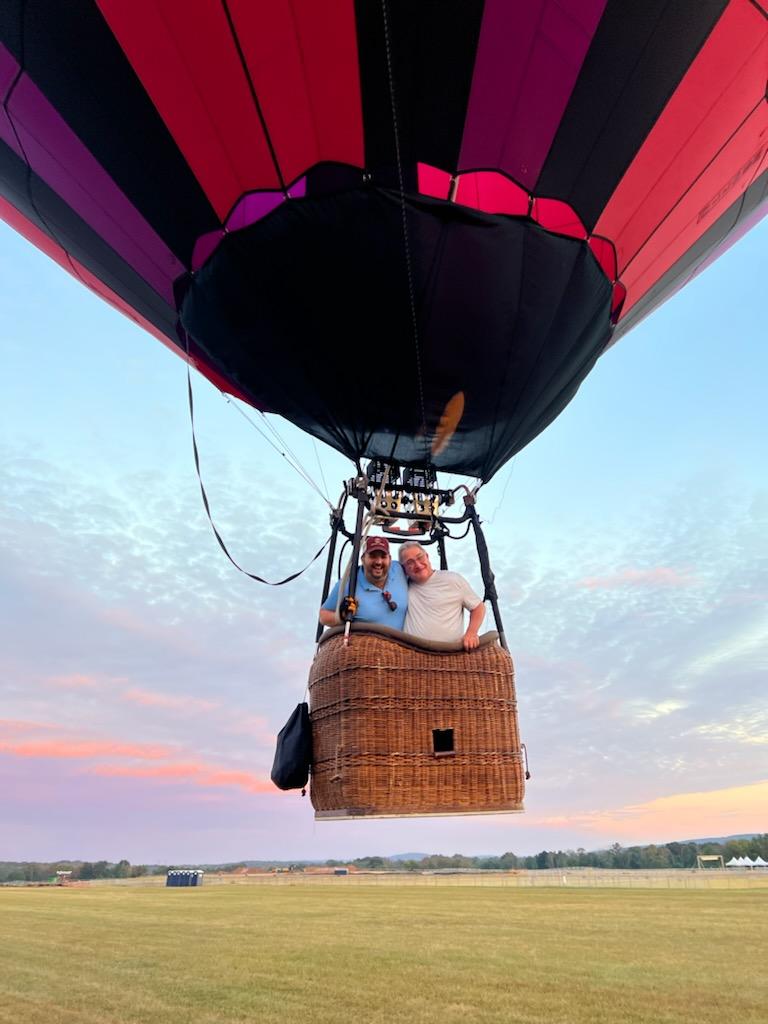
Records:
x=84, y=871
x=670, y=855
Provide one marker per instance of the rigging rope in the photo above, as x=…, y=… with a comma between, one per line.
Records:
x=406, y=239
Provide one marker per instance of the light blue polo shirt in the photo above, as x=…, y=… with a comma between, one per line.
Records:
x=371, y=605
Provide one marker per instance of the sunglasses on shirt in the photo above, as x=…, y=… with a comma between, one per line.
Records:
x=388, y=598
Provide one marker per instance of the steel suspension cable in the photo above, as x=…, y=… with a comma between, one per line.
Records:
x=290, y=457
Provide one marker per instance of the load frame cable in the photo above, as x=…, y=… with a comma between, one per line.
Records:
x=320, y=465
x=290, y=457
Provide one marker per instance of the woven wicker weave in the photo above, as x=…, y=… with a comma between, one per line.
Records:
x=374, y=705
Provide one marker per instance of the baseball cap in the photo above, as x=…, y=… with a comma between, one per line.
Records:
x=376, y=544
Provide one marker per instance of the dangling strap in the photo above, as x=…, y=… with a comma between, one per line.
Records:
x=217, y=535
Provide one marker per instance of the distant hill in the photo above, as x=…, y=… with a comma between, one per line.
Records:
x=720, y=839
x=408, y=856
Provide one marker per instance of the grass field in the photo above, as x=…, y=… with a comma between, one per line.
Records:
x=441, y=955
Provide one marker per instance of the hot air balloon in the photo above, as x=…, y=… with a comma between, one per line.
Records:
x=485, y=194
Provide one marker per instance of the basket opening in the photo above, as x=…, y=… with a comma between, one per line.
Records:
x=442, y=742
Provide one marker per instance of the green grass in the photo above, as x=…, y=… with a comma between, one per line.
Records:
x=322, y=954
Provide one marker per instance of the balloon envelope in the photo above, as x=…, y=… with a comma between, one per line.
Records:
x=410, y=228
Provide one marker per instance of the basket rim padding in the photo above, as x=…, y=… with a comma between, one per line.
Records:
x=416, y=643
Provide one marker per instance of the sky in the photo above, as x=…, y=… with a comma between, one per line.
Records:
x=143, y=679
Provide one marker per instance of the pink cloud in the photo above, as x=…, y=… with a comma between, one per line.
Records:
x=149, y=699
x=23, y=740
x=739, y=809
x=253, y=725
x=84, y=749
x=195, y=773
x=77, y=681
x=12, y=726
x=659, y=577
x=124, y=619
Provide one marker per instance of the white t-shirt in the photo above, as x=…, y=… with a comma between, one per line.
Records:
x=436, y=607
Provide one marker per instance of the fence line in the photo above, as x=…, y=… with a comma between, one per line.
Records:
x=564, y=878
x=571, y=878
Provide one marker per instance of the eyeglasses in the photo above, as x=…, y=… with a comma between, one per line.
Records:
x=409, y=563
x=388, y=598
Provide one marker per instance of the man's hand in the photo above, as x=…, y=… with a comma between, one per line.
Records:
x=471, y=640
x=348, y=609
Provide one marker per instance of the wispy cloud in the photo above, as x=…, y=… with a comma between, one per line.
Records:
x=739, y=809
x=748, y=729
x=109, y=758
x=148, y=699
x=658, y=577
x=83, y=749
x=747, y=644
x=646, y=711
x=16, y=727
x=80, y=681
x=197, y=774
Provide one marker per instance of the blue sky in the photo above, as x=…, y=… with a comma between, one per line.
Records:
x=143, y=679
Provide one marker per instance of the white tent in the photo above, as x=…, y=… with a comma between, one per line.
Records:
x=734, y=862
x=758, y=862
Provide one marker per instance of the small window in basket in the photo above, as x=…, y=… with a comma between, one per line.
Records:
x=442, y=742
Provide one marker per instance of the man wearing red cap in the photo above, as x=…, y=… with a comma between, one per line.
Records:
x=382, y=589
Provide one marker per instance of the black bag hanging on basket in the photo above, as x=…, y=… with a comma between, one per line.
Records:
x=293, y=755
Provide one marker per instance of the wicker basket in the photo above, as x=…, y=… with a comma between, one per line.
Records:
x=404, y=727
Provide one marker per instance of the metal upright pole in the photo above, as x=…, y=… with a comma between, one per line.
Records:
x=485, y=567
x=441, y=549
x=359, y=491
x=337, y=518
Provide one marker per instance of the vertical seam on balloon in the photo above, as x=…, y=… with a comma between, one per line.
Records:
x=307, y=89
x=682, y=280
x=506, y=367
x=406, y=241
x=698, y=177
x=538, y=358
x=618, y=100
x=740, y=202
x=254, y=97
x=516, y=104
x=545, y=417
x=650, y=186
x=221, y=140
x=28, y=172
